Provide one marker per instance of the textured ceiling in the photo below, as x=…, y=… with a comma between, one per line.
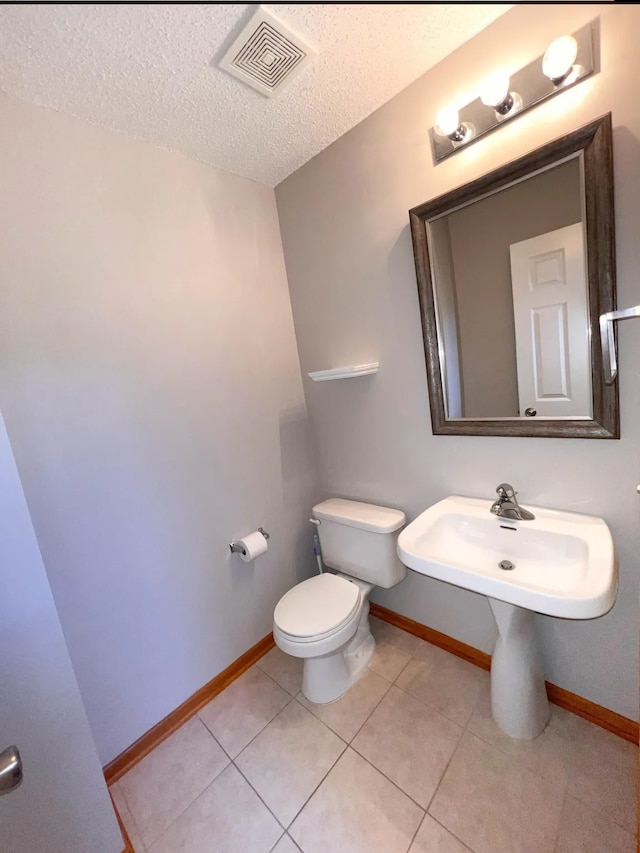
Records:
x=149, y=71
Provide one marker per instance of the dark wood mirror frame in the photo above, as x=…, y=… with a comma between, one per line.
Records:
x=594, y=140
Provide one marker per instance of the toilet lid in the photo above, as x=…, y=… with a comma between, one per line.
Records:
x=316, y=606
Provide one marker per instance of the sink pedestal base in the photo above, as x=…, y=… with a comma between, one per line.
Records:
x=519, y=701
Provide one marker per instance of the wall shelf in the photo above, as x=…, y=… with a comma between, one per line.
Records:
x=348, y=372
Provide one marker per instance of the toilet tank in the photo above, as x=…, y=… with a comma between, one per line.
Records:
x=360, y=539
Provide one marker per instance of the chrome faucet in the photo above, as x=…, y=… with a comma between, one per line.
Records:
x=507, y=505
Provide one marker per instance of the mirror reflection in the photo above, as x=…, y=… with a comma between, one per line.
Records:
x=511, y=300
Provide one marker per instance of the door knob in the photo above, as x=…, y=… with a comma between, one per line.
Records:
x=10, y=769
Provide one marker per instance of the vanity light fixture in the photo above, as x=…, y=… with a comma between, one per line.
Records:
x=568, y=60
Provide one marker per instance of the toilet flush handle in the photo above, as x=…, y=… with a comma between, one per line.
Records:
x=315, y=521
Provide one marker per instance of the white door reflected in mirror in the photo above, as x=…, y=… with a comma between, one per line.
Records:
x=548, y=277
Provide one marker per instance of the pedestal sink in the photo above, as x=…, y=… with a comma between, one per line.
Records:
x=560, y=564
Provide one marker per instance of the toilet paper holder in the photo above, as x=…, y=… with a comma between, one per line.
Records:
x=236, y=547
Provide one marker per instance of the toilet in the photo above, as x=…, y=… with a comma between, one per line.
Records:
x=325, y=620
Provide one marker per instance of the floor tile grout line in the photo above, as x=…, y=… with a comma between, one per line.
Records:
x=504, y=751
x=475, y=706
x=446, y=828
x=285, y=834
x=433, y=708
x=382, y=773
x=275, y=681
x=425, y=809
x=381, y=674
x=297, y=814
x=564, y=787
x=394, y=678
x=262, y=671
x=512, y=757
x=233, y=758
x=375, y=707
x=212, y=735
x=278, y=841
x=413, y=837
x=444, y=773
x=297, y=847
x=186, y=808
x=523, y=769
x=419, y=645
x=267, y=807
x=635, y=832
x=248, y=744
x=350, y=741
x=556, y=840
x=206, y=787
x=346, y=745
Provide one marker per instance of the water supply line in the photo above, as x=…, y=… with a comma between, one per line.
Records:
x=316, y=546
x=316, y=551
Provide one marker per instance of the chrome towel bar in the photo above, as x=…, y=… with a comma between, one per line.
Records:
x=609, y=358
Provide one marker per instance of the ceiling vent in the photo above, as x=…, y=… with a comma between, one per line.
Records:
x=267, y=55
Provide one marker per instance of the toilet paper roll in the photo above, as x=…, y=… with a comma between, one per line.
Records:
x=252, y=546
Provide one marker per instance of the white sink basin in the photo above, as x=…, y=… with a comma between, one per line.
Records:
x=564, y=561
x=563, y=565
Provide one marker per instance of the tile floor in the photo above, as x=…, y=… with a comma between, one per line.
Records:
x=409, y=760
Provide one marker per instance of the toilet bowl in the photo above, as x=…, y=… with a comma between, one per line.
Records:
x=325, y=620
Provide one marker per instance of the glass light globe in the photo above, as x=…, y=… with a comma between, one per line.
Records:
x=447, y=121
x=495, y=88
x=559, y=57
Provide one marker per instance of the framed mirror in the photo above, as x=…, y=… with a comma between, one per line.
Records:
x=513, y=271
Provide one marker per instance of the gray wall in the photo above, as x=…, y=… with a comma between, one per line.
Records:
x=481, y=234
x=151, y=388
x=352, y=282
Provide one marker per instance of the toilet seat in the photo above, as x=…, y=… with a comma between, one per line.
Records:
x=317, y=608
